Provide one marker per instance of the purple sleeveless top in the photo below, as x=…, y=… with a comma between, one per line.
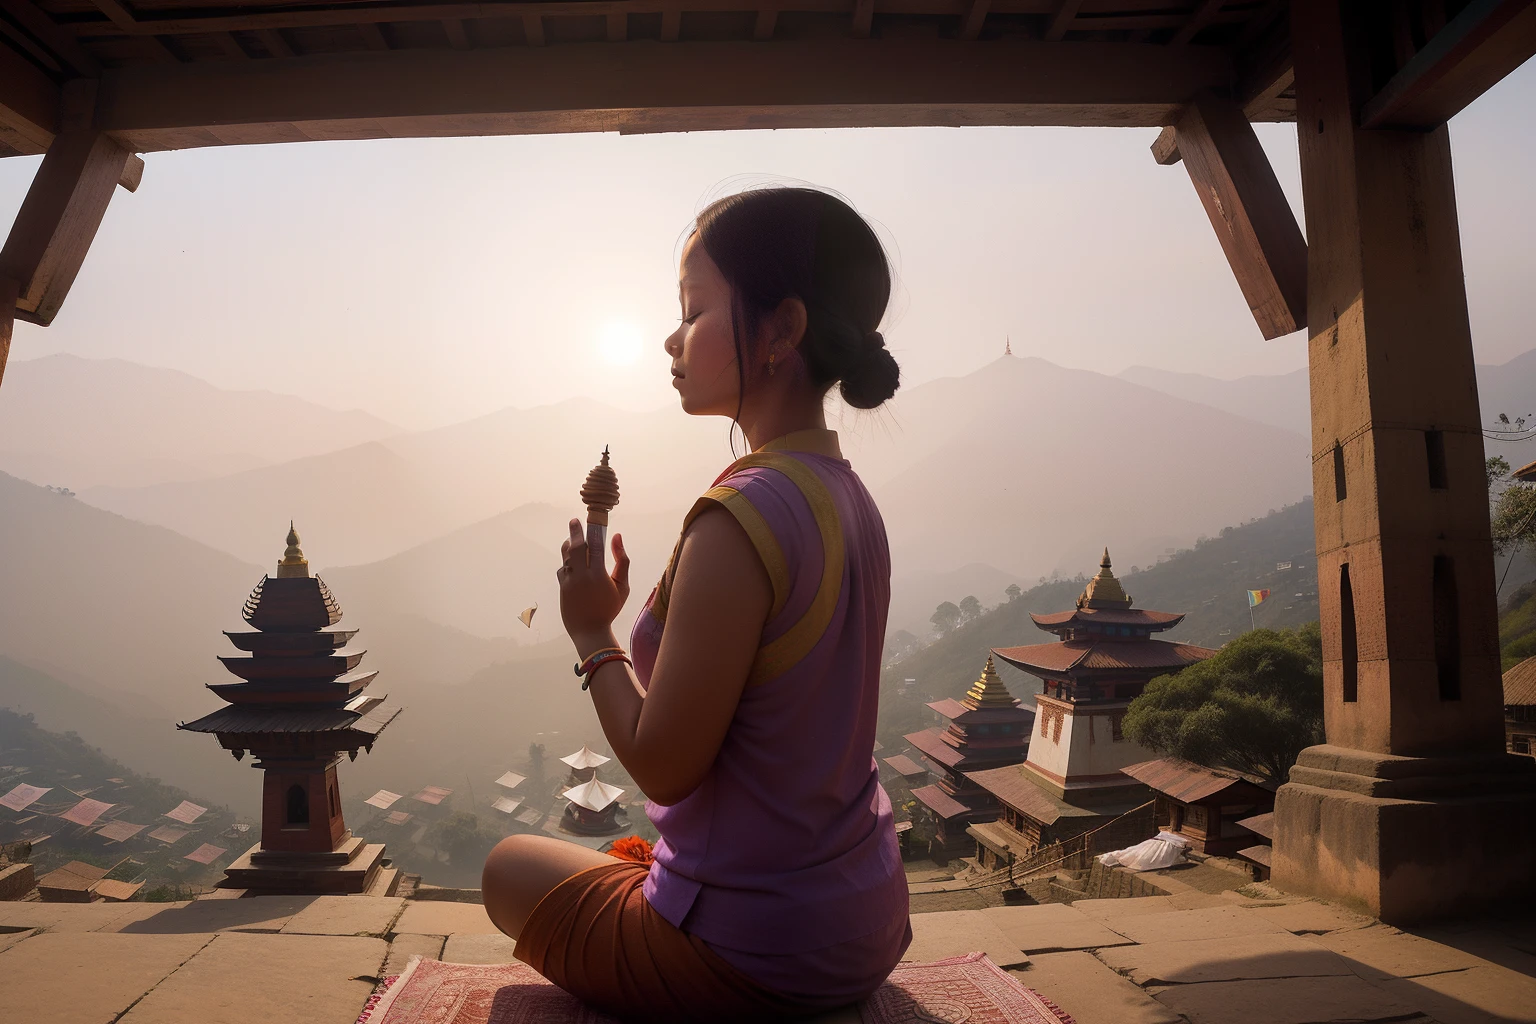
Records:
x=788, y=846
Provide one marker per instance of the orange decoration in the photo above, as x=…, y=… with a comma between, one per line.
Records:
x=632, y=848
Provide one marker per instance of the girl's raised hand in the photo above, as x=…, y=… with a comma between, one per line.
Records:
x=590, y=599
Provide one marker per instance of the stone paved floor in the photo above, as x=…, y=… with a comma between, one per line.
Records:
x=1193, y=957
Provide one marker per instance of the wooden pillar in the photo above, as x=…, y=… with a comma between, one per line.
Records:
x=1413, y=697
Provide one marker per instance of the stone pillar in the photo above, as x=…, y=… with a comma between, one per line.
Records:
x=1411, y=810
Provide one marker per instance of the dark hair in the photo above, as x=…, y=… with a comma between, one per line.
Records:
x=772, y=244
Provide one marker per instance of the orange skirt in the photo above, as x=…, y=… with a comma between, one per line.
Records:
x=596, y=936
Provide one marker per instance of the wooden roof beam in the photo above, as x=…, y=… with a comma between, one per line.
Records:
x=29, y=104
x=1165, y=148
x=863, y=18
x=124, y=20
x=618, y=27
x=1245, y=204
x=1062, y=20
x=1197, y=21
x=58, y=219
x=691, y=86
x=61, y=42
x=1473, y=52
x=533, y=29
x=975, y=17
x=273, y=40
x=458, y=37
x=763, y=27
x=671, y=24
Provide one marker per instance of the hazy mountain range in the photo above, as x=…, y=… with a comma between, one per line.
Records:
x=1023, y=465
x=1282, y=400
x=80, y=423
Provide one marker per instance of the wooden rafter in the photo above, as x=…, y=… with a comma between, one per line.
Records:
x=8, y=291
x=618, y=27
x=671, y=24
x=29, y=104
x=458, y=37
x=58, y=219
x=1062, y=20
x=1197, y=21
x=273, y=40
x=765, y=23
x=61, y=42
x=697, y=86
x=1245, y=204
x=124, y=20
x=1165, y=148
x=533, y=29
x=975, y=17
x=1477, y=48
x=231, y=46
x=373, y=36
x=863, y=17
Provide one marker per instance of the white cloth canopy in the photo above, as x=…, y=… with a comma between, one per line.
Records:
x=586, y=757
x=1164, y=851
x=594, y=796
x=511, y=780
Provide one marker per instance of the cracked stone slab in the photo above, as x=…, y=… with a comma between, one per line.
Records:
x=428, y=947
x=1330, y=1000
x=1382, y=951
x=1222, y=922
x=1129, y=906
x=430, y=917
x=1052, y=928
x=1090, y=992
x=75, y=917
x=241, y=977
x=957, y=932
x=255, y=914
x=1188, y=961
x=84, y=977
x=346, y=915
x=1312, y=917
x=478, y=949
x=1481, y=995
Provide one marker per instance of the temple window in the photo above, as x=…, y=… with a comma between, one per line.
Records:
x=298, y=805
x=1351, y=647
x=1340, y=488
x=1434, y=450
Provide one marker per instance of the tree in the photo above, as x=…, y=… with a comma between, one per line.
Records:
x=1253, y=707
x=462, y=837
x=900, y=643
x=945, y=617
x=970, y=608
x=1014, y=592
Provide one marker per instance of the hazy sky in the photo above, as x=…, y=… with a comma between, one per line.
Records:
x=430, y=280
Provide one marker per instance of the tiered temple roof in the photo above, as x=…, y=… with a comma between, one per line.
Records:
x=1103, y=634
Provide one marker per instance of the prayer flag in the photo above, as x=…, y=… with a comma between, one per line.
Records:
x=22, y=797
x=86, y=812
x=1257, y=597
x=186, y=812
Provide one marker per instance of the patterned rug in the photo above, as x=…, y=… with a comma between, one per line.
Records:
x=969, y=989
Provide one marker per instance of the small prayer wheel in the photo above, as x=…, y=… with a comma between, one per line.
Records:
x=600, y=494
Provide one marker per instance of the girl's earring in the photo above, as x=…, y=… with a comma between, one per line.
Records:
x=770, y=364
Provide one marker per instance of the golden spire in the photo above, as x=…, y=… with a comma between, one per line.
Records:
x=988, y=690
x=1104, y=591
x=293, y=562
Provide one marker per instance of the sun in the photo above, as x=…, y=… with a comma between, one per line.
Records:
x=620, y=344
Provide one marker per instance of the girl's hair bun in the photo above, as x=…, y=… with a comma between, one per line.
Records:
x=874, y=376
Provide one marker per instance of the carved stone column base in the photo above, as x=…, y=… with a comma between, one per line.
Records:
x=1408, y=839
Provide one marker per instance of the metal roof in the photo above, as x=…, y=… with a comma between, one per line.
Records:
x=1520, y=685
x=905, y=766
x=1186, y=781
x=246, y=720
x=1014, y=787
x=1102, y=654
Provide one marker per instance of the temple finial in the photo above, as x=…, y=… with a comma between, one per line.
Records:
x=601, y=491
x=293, y=562
x=1105, y=564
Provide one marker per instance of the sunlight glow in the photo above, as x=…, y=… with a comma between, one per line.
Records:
x=620, y=344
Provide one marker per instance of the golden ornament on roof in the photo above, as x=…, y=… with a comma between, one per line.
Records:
x=293, y=562
x=1104, y=591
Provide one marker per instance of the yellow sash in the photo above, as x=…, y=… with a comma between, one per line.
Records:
x=780, y=654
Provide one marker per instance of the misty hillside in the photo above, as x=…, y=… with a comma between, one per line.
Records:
x=1005, y=467
x=1208, y=582
x=71, y=767
x=1022, y=464
x=78, y=423
x=137, y=609
x=1282, y=400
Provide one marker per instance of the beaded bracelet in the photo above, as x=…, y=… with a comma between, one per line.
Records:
x=596, y=659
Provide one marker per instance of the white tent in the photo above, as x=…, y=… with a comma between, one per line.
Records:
x=586, y=757
x=594, y=795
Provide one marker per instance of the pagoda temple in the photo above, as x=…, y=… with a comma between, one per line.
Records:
x=987, y=728
x=299, y=705
x=593, y=805
x=1073, y=779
